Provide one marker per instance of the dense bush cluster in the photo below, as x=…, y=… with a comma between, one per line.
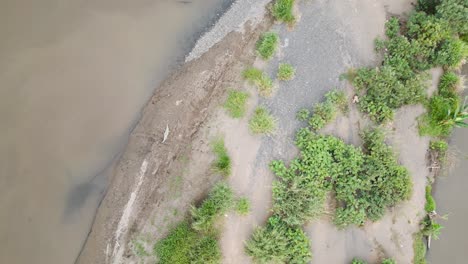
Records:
x=429, y=38
x=365, y=182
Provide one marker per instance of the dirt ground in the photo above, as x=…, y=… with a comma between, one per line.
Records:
x=155, y=183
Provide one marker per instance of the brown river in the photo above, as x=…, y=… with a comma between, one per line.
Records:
x=74, y=75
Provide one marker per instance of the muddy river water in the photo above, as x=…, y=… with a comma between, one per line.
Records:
x=74, y=75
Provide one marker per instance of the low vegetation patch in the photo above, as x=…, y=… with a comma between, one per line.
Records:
x=286, y=72
x=279, y=243
x=419, y=249
x=219, y=201
x=184, y=245
x=303, y=114
x=196, y=242
x=325, y=112
x=243, y=206
x=430, y=206
x=262, y=122
x=222, y=163
x=282, y=11
x=444, y=110
x=267, y=45
x=236, y=103
x=360, y=261
x=260, y=79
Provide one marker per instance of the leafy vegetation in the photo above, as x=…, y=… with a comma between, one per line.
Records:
x=219, y=200
x=326, y=111
x=360, y=261
x=222, y=163
x=430, y=202
x=243, y=206
x=267, y=45
x=303, y=114
x=444, y=110
x=428, y=40
x=260, y=79
x=235, y=103
x=197, y=242
x=262, y=122
x=286, y=72
x=282, y=10
x=279, y=243
x=419, y=249
x=388, y=261
x=184, y=245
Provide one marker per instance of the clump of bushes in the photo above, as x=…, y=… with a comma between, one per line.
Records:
x=267, y=45
x=262, y=122
x=286, y=72
x=235, y=103
x=222, y=163
x=428, y=40
x=243, y=206
x=282, y=10
x=444, y=110
x=219, y=201
x=260, y=79
x=279, y=243
x=326, y=111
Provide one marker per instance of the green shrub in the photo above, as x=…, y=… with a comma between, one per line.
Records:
x=279, y=243
x=451, y=53
x=325, y=112
x=282, y=10
x=428, y=6
x=388, y=261
x=267, y=44
x=175, y=248
x=286, y=72
x=430, y=202
x=205, y=251
x=183, y=246
x=218, y=202
x=243, y=206
x=262, y=122
x=222, y=163
x=431, y=228
x=358, y=261
x=419, y=249
x=235, y=103
x=303, y=114
x=455, y=12
x=440, y=146
x=260, y=79
x=443, y=109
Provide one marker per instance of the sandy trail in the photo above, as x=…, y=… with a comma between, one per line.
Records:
x=330, y=37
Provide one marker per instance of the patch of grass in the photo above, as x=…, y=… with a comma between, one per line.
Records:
x=444, y=110
x=219, y=200
x=243, y=206
x=222, y=163
x=278, y=243
x=303, y=114
x=430, y=202
x=184, y=245
x=262, y=122
x=358, y=261
x=235, y=103
x=441, y=148
x=260, y=79
x=267, y=45
x=325, y=112
x=282, y=11
x=388, y=261
x=286, y=72
x=139, y=249
x=419, y=249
